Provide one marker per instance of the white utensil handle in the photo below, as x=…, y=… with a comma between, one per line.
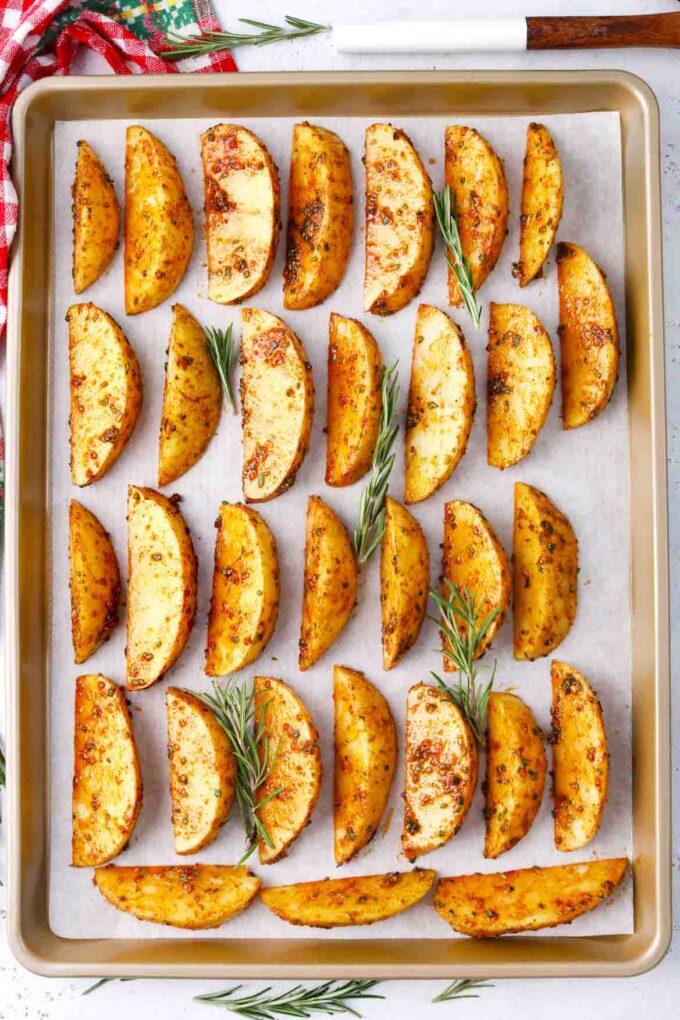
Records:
x=462, y=36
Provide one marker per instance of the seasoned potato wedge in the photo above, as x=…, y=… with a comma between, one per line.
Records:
x=545, y=574
x=320, y=216
x=193, y=896
x=107, y=783
x=159, y=229
x=476, y=177
x=441, y=770
x=542, y=197
x=277, y=405
x=520, y=382
x=192, y=398
x=474, y=559
x=580, y=758
x=511, y=901
x=399, y=220
x=297, y=769
x=365, y=759
x=404, y=581
x=441, y=404
x=106, y=391
x=202, y=771
x=354, y=400
x=242, y=212
x=162, y=582
x=96, y=219
x=94, y=582
x=340, y=902
x=515, y=772
x=589, y=336
x=330, y=586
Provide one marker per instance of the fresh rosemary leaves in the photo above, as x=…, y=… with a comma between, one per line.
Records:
x=462, y=988
x=209, y=42
x=222, y=347
x=331, y=997
x=445, y=210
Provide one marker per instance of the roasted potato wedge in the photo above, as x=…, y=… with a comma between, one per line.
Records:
x=242, y=212
x=96, y=219
x=365, y=759
x=441, y=770
x=341, y=902
x=193, y=896
x=441, y=404
x=106, y=391
x=320, y=216
x=515, y=772
x=520, y=382
x=545, y=574
x=476, y=177
x=589, y=336
x=512, y=901
x=107, y=782
x=354, y=400
x=297, y=769
x=404, y=581
x=580, y=758
x=202, y=771
x=330, y=585
x=192, y=398
x=162, y=583
x=542, y=198
x=159, y=229
x=277, y=405
x=94, y=582
x=399, y=220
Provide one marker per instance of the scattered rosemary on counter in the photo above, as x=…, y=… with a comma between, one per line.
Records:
x=445, y=210
x=462, y=988
x=331, y=997
x=222, y=347
x=209, y=42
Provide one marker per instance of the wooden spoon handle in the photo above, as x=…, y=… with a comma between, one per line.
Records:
x=564, y=33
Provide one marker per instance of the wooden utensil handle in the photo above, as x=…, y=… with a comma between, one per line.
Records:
x=564, y=33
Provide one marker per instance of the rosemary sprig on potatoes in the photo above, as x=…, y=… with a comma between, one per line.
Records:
x=222, y=347
x=445, y=210
x=369, y=533
x=209, y=42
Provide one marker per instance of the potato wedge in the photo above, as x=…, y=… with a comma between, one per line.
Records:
x=484, y=906
x=94, y=582
x=520, y=382
x=320, y=216
x=580, y=758
x=202, y=771
x=399, y=220
x=341, y=902
x=162, y=583
x=365, y=744
x=589, y=336
x=404, y=582
x=277, y=405
x=515, y=772
x=441, y=770
x=354, y=400
x=106, y=391
x=330, y=585
x=245, y=590
x=193, y=896
x=192, y=398
x=297, y=768
x=107, y=782
x=159, y=228
x=545, y=574
x=242, y=212
x=542, y=198
x=441, y=404
x=476, y=177
x=96, y=219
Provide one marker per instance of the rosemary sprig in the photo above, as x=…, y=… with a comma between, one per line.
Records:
x=331, y=997
x=208, y=42
x=368, y=534
x=462, y=988
x=222, y=347
x=104, y=981
x=445, y=209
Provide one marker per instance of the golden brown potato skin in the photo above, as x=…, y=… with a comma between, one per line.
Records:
x=542, y=199
x=94, y=582
x=365, y=741
x=580, y=758
x=107, y=782
x=404, y=582
x=96, y=219
x=484, y=906
x=320, y=216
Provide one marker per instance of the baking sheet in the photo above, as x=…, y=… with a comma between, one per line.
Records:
x=585, y=472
